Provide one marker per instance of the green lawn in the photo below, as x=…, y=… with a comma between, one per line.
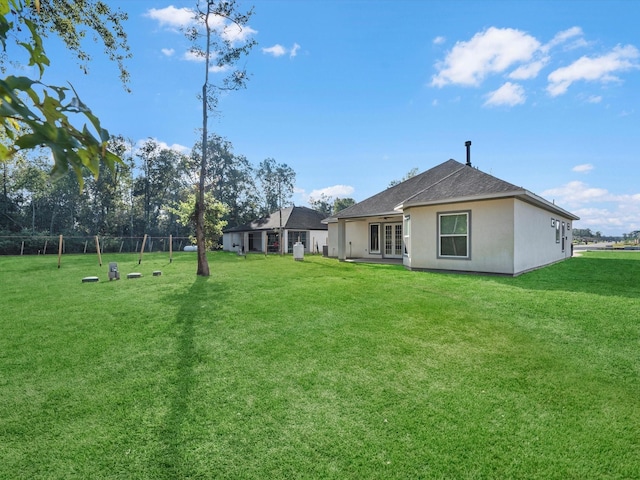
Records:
x=272, y=368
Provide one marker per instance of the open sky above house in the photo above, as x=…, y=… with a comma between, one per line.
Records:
x=354, y=94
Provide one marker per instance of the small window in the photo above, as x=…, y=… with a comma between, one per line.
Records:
x=453, y=232
x=374, y=238
x=557, y=231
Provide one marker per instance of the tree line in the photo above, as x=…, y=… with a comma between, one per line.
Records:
x=151, y=192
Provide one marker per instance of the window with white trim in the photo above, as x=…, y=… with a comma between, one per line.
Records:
x=453, y=235
x=374, y=238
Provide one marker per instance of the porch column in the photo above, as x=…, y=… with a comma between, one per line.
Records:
x=342, y=240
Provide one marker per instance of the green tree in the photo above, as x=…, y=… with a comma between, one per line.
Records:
x=411, y=173
x=31, y=183
x=108, y=191
x=277, y=181
x=34, y=114
x=323, y=204
x=213, y=218
x=217, y=22
x=230, y=178
x=162, y=182
x=342, y=203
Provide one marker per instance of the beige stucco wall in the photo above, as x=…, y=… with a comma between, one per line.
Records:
x=491, y=242
x=507, y=236
x=242, y=238
x=332, y=240
x=357, y=239
x=536, y=238
x=229, y=239
x=314, y=237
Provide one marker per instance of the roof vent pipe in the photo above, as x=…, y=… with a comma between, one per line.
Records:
x=468, y=145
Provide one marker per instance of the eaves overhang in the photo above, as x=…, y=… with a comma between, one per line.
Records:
x=390, y=213
x=524, y=195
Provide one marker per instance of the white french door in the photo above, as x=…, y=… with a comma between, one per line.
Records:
x=393, y=240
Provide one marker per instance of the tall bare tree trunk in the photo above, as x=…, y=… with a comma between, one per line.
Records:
x=203, y=263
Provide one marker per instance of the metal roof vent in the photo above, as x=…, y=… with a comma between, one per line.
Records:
x=468, y=145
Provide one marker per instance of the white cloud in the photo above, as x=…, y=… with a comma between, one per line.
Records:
x=439, y=40
x=336, y=191
x=236, y=35
x=171, y=16
x=584, y=168
x=178, y=18
x=491, y=51
x=509, y=94
x=529, y=70
x=577, y=193
x=162, y=145
x=168, y=51
x=598, y=208
x=562, y=37
x=192, y=56
x=219, y=69
x=519, y=56
x=598, y=69
x=278, y=50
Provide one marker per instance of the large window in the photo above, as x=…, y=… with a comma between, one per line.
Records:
x=297, y=236
x=453, y=233
x=273, y=242
x=374, y=238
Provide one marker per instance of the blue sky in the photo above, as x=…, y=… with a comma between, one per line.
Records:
x=355, y=94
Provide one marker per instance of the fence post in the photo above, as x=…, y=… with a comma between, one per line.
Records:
x=98, y=250
x=144, y=240
x=59, y=250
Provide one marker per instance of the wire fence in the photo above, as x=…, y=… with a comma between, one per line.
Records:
x=50, y=244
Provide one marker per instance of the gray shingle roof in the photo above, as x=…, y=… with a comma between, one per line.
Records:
x=450, y=181
x=293, y=218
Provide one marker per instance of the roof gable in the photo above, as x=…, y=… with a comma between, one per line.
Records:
x=290, y=218
x=386, y=201
x=463, y=183
x=450, y=181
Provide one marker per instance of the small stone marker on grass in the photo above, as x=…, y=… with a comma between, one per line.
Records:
x=157, y=273
x=134, y=275
x=90, y=279
x=114, y=274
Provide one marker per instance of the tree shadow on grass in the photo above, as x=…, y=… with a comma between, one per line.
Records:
x=194, y=305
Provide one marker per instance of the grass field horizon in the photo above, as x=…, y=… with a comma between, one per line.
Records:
x=272, y=368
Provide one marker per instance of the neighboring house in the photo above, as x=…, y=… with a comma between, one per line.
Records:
x=454, y=217
x=263, y=235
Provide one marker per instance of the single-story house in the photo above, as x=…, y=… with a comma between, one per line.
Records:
x=454, y=217
x=297, y=224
